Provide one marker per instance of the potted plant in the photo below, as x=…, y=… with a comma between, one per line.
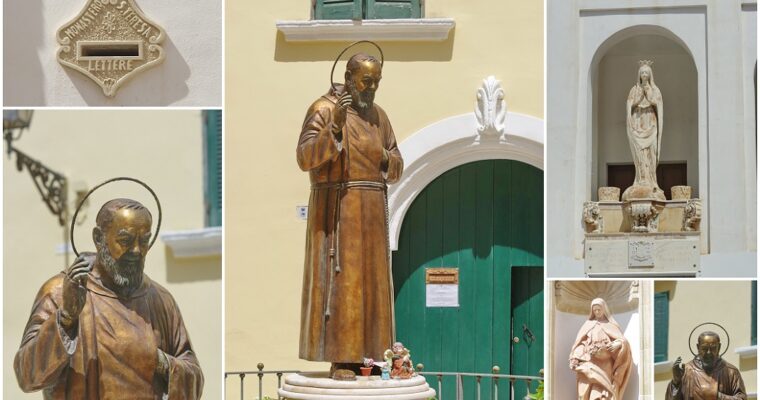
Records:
x=367, y=368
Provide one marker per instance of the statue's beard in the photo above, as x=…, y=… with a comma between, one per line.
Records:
x=708, y=362
x=126, y=272
x=364, y=100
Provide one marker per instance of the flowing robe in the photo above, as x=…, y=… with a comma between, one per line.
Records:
x=644, y=129
x=112, y=354
x=347, y=298
x=697, y=384
x=601, y=374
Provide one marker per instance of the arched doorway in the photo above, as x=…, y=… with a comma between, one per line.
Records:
x=613, y=73
x=484, y=218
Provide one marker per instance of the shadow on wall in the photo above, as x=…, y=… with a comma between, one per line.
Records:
x=393, y=51
x=161, y=85
x=192, y=269
x=22, y=74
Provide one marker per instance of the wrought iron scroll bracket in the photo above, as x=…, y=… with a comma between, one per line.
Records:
x=51, y=185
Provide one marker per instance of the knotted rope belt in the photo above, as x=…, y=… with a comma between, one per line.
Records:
x=335, y=243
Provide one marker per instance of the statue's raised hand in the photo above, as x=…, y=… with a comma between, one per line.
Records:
x=339, y=113
x=677, y=372
x=75, y=288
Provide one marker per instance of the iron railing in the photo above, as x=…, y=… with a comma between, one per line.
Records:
x=496, y=379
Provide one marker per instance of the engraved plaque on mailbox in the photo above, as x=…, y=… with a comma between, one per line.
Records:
x=110, y=41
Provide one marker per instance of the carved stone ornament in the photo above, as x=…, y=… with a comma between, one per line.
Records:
x=592, y=218
x=645, y=215
x=491, y=108
x=692, y=215
x=110, y=41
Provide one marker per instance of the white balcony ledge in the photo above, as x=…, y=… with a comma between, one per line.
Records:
x=194, y=243
x=418, y=29
x=746, y=352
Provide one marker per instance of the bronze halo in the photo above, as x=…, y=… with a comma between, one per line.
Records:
x=332, y=71
x=728, y=338
x=121, y=178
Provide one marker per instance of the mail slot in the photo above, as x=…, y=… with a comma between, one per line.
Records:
x=110, y=42
x=93, y=50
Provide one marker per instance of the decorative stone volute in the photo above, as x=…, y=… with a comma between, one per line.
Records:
x=592, y=217
x=692, y=215
x=110, y=41
x=645, y=215
x=491, y=108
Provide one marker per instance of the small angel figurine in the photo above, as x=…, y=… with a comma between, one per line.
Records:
x=398, y=359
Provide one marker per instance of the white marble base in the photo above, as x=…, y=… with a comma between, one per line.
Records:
x=634, y=254
x=320, y=387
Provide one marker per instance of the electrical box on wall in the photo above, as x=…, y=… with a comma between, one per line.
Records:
x=110, y=41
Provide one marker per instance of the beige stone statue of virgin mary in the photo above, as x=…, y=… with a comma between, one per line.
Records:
x=644, y=116
x=601, y=356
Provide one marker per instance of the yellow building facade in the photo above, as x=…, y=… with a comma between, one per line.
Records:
x=165, y=149
x=690, y=303
x=273, y=75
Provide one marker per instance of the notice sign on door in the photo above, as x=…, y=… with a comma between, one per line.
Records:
x=442, y=287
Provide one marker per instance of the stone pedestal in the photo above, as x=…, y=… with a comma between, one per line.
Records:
x=321, y=387
x=642, y=237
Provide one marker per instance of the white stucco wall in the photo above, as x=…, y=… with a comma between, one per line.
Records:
x=711, y=31
x=190, y=75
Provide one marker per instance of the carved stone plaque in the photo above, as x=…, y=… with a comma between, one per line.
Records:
x=659, y=254
x=110, y=41
x=641, y=252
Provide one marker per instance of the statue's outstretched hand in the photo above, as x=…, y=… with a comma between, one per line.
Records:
x=677, y=372
x=75, y=289
x=339, y=113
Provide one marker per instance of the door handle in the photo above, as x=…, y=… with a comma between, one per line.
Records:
x=528, y=334
x=516, y=339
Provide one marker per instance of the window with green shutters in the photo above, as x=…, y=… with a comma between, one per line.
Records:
x=753, y=335
x=212, y=138
x=367, y=9
x=661, y=326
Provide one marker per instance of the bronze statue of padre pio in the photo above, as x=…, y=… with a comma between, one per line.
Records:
x=102, y=329
x=707, y=376
x=348, y=147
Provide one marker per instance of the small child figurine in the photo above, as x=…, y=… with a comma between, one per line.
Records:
x=385, y=372
x=398, y=359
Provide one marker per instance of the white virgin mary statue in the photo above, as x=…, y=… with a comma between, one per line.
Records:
x=644, y=117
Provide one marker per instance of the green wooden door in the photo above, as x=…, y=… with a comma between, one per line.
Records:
x=527, y=325
x=484, y=218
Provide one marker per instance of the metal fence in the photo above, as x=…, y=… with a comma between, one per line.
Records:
x=495, y=380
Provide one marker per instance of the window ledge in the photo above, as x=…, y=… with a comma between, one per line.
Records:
x=418, y=29
x=194, y=243
x=662, y=366
x=746, y=352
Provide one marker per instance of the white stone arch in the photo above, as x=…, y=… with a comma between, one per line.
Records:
x=455, y=141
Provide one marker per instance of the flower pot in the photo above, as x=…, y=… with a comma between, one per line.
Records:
x=366, y=371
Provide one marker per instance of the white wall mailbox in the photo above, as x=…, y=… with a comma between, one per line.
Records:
x=110, y=41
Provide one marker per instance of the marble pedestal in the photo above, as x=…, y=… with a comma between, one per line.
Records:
x=320, y=387
x=642, y=237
